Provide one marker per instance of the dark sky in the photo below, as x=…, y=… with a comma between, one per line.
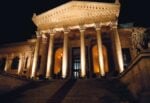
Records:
x=16, y=23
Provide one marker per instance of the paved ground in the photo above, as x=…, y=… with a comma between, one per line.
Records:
x=65, y=91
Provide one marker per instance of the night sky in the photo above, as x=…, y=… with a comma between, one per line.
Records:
x=16, y=24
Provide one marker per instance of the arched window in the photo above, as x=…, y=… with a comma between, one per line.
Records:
x=58, y=62
x=2, y=64
x=96, y=69
x=15, y=63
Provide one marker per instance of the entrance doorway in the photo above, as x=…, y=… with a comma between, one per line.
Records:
x=76, y=62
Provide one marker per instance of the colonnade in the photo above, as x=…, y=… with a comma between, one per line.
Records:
x=23, y=63
x=116, y=42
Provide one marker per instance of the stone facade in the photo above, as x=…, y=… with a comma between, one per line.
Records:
x=25, y=52
x=79, y=39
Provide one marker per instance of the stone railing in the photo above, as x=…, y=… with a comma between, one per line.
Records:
x=137, y=77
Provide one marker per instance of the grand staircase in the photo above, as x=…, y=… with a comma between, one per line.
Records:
x=98, y=91
x=69, y=91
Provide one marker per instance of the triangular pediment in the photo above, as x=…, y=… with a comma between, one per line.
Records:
x=77, y=13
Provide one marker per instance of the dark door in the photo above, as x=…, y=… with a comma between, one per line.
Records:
x=76, y=63
x=76, y=68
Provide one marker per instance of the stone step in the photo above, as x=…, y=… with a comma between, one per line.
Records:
x=93, y=91
x=69, y=91
x=61, y=93
x=37, y=92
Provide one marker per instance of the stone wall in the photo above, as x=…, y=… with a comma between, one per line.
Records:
x=23, y=51
x=137, y=76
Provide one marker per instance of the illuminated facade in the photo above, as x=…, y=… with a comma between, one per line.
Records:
x=79, y=39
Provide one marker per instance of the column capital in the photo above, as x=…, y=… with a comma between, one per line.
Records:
x=114, y=24
x=44, y=38
x=51, y=32
x=98, y=26
x=38, y=34
x=82, y=28
x=66, y=30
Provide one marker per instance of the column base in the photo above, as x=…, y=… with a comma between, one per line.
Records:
x=85, y=77
x=34, y=78
x=48, y=78
x=101, y=77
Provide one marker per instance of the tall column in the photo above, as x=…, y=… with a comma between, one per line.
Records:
x=35, y=57
x=65, y=55
x=20, y=64
x=50, y=56
x=83, y=54
x=43, y=50
x=29, y=64
x=118, y=49
x=8, y=63
x=100, y=51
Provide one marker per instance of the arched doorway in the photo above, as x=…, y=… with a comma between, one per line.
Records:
x=58, y=63
x=96, y=68
x=2, y=64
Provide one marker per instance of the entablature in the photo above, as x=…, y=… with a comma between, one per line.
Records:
x=77, y=13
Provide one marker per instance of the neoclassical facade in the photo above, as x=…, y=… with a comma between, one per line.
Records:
x=79, y=39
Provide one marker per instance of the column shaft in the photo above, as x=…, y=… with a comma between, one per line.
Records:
x=118, y=49
x=83, y=54
x=100, y=52
x=35, y=57
x=20, y=64
x=65, y=55
x=50, y=56
x=43, y=48
x=8, y=64
x=29, y=65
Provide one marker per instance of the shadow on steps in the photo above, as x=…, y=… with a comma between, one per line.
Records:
x=62, y=92
x=119, y=89
x=11, y=96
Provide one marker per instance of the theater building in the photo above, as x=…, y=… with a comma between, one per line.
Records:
x=79, y=39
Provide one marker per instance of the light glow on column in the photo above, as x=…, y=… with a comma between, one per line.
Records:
x=20, y=65
x=50, y=55
x=118, y=50
x=35, y=58
x=100, y=52
x=65, y=56
x=7, y=65
x=83, y=58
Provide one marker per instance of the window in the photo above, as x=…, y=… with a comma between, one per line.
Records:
x=126, y=57
x=15, y=63
x=2, y=63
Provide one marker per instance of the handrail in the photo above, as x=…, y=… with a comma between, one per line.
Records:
x=143, y=54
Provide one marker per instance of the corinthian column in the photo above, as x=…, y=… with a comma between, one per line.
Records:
x=83, y=54
x=118, y=50
x=100, y=51
x=43, y=48
x=50, y=56
x=35, y=57
x=65, y=55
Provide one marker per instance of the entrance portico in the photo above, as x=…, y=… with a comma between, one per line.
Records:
x=83, y=23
